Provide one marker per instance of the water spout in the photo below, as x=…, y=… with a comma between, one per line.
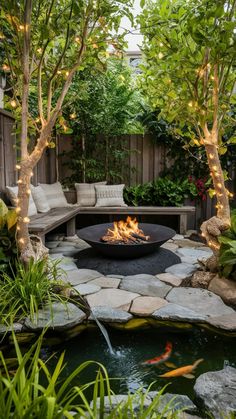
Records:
x=104, y=332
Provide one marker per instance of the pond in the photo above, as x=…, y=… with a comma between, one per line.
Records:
x=133, y=347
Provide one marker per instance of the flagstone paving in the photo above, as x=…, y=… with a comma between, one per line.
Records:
x=147, y=298
x=160, y=297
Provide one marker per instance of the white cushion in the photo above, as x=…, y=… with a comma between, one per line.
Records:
x=86, y=194
x=40, y=199
x=12, y=192
x=54, y=194
x=110, y=196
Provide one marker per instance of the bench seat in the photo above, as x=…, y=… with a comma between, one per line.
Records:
x=42, y=224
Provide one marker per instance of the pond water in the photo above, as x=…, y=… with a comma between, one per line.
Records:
x=133, y=347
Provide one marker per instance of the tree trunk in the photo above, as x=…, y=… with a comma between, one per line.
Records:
x=213, y=227
x=83, y=158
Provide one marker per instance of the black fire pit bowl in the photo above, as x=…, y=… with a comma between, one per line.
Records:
x=158, y=235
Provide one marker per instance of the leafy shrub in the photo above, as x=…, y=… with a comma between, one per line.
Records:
x=24, y=291
x=161, y=192
x=227, y=254
x=33, y=391
x=8, y=249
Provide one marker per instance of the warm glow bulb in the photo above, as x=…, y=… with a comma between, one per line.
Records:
x=20, y=181
x=67, y=73
x=31, y=174
x=219, y=185
x=5, y=67
x=13, y=103
x=39, y=50
x=21, y=241
x=190, y=104
x=211, y=156
x=18, y=167
x=18, y=209
x=26, y=220
x=73, y=115
x=160, y=55
x=59, y=72
x=214, y=167
x=28, y=191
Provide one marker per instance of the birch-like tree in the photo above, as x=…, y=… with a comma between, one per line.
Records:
x=189, y=74
x=44, y=43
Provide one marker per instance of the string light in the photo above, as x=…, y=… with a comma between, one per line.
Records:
x=95, y=46
x=160, y=55
x=37, y=120
x=58, y=71
x=214, y=168
x=39, y=50
x=21, y=27
x=26, y=220
x=73, y=115
x=190, y=104
x=28, y=192
x=21, y=241
x=13, y=103
x=20, y=181
x=77, y=39
x=5, y=67
x=18, y=209
x=31, y=174
x=161, y=44
x=67, y=73
x=211, y=156
x=18, y=228
x=18, y=167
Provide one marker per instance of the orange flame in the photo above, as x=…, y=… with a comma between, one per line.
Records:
x=125, y=231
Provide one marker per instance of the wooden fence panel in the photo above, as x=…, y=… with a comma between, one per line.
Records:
x=8, y=152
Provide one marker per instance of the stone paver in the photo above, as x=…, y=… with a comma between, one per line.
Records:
x=111, y=297
x=178, y=237
x=16, y=327
x=175, y=312
x=56, y=316
x=217, y=391
x=106, y=282
x=145, y=306
x=199, y=300
x=191, y=243
x=147, y=285
x=109, y=314
x=170, y=246
x=80, y=276
x=67, y=264
x=66, y=244
x=189, y=260
x=225, y=288
x=182, y=270
x=170, y=279
x=225, y=322
x=66, y=251
x=194, y=254
x=88, y=288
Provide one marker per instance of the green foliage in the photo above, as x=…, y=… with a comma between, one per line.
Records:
x=161, y=192
x=105, y=109
x=32, y=390
x=24, y=291
x=227, y=254
x=186, y=45
x=8, y=250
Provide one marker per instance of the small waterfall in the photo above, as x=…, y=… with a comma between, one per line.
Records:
x=104, y=332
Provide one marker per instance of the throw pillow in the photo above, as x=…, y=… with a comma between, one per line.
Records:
x=40, y=199
x=54, y=194
x=110, y=196
x=86, y=194
x=12, y=192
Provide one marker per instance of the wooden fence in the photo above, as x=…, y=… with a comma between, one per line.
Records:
x=145, y=162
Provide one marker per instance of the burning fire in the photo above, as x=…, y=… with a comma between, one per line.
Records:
x=125, y=232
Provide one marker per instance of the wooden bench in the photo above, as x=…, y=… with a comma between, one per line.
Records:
x=42, y=224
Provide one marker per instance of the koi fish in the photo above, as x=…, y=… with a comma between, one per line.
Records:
x=183, y=371
x=161, y=358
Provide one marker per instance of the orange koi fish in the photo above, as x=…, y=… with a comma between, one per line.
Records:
x=162, y=358
x=182, y=371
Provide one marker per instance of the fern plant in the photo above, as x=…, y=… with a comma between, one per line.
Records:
x=227, y=254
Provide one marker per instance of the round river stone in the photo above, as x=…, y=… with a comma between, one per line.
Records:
x=152, y=264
